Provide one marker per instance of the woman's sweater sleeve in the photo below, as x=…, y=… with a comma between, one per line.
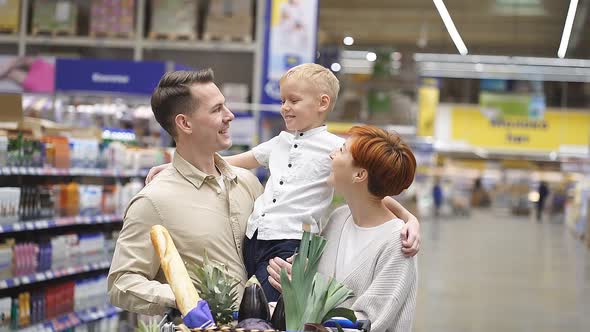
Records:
x=390, y=300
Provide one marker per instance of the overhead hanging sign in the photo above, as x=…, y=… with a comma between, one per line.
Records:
x=560, y=131
x=290, y=39
x=121, y=76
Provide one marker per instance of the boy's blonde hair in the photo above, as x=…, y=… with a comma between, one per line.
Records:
x=319, y=76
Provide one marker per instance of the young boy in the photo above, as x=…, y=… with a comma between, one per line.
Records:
x=296, y=196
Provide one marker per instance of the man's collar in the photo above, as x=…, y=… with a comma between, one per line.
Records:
x=311, y=132
x=195, y=175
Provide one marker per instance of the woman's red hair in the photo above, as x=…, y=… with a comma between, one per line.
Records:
x=389, y=161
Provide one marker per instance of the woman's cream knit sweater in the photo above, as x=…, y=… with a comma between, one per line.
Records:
x=384, y=282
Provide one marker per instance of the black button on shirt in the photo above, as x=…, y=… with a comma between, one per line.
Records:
x=295, y=146
x=289, y=165
x=274, y=200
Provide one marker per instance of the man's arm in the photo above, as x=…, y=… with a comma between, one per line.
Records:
x=131, y=284
x=410, y=233
x=244, y=160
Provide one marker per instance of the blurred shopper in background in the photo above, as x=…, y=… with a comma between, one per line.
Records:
x=437, y=196
x=543, y=193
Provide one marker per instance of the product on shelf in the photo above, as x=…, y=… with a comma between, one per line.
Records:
x=183, y=13
x=6, y=259
x=5, y=313
x=112, y=18
x=235, y=92
x=9, y=205
x=55, y=17
x=9, y=15
x=57, y=151
x=229, y=19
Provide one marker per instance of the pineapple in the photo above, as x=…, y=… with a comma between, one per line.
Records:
x=151, y=326
x=218, y=288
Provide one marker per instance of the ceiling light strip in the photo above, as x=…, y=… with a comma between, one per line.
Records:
x=567, y=28
x=444, y=14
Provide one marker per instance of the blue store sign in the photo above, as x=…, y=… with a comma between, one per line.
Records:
x=108, y=75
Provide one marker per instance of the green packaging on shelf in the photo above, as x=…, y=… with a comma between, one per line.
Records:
x=56, y=17
x=184, y=13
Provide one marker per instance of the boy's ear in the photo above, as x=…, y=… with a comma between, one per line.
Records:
x=183, y=124
x=325, y=102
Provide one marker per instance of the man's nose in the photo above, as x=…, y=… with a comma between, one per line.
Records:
x=228, y=115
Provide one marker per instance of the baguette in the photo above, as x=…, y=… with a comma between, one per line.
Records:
x=174, y=269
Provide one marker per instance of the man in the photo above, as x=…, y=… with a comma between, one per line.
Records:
x=199, y=198
x=202, y=201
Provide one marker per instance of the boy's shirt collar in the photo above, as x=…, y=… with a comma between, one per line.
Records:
x=311, y=132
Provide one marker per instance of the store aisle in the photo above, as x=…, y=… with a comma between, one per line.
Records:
x=495, y=273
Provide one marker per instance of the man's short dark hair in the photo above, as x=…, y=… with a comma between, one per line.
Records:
x=173, y=96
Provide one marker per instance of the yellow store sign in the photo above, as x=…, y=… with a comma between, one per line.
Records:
x=558, y=128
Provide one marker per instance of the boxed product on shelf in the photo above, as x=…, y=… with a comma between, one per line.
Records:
x=84, y=153
x=6, y=259
x=183, y=13
x=25, y=258
x=55, y=17
x=235, y=92
x=229, y=19
x=9, y=15
x=9, y=205
x=90, y=200
x=112, y=18
x=57, y=151
x=5, y=313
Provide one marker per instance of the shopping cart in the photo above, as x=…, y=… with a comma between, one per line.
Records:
x=167, y=323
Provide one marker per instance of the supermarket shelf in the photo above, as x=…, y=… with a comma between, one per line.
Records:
x=74, y=319
x=8, y=39
x=81, y=41
x=214, y=46
x=99, y=172
x=52, y=274
x=41, y=224
x=199, y=46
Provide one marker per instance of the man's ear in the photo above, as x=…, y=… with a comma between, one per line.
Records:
x=360, y=175
x=325, y=102
x=183, y=124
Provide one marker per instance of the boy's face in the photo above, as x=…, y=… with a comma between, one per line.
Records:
x=302, y=107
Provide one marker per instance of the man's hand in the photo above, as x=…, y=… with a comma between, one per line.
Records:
x=410, y=235
x=274, y=268
x=153, y=172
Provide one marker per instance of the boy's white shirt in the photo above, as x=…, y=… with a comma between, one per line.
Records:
x=304, y=195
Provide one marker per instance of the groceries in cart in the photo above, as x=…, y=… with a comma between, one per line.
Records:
x=309, y=301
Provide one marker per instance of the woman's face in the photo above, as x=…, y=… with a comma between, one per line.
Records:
x=342, y=167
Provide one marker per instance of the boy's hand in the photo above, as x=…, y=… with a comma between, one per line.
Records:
x=153, y=172
x=410, y=235
x=274, y=268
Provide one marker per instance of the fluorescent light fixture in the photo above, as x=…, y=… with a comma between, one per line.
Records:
x=348, y=41
x=371, y=56
x=444, y=14
x=567, y=28
x=335, y=67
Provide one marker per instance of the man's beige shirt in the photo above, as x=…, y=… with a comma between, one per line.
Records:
x=198, y=213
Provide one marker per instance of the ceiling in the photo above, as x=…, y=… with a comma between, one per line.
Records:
x=497, y=27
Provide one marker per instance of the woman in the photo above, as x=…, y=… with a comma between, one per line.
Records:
x=364, y=247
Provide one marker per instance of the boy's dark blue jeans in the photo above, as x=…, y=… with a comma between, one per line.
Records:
x=257, y=253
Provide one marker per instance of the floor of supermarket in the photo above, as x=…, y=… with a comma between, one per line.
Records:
x=495, y=272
